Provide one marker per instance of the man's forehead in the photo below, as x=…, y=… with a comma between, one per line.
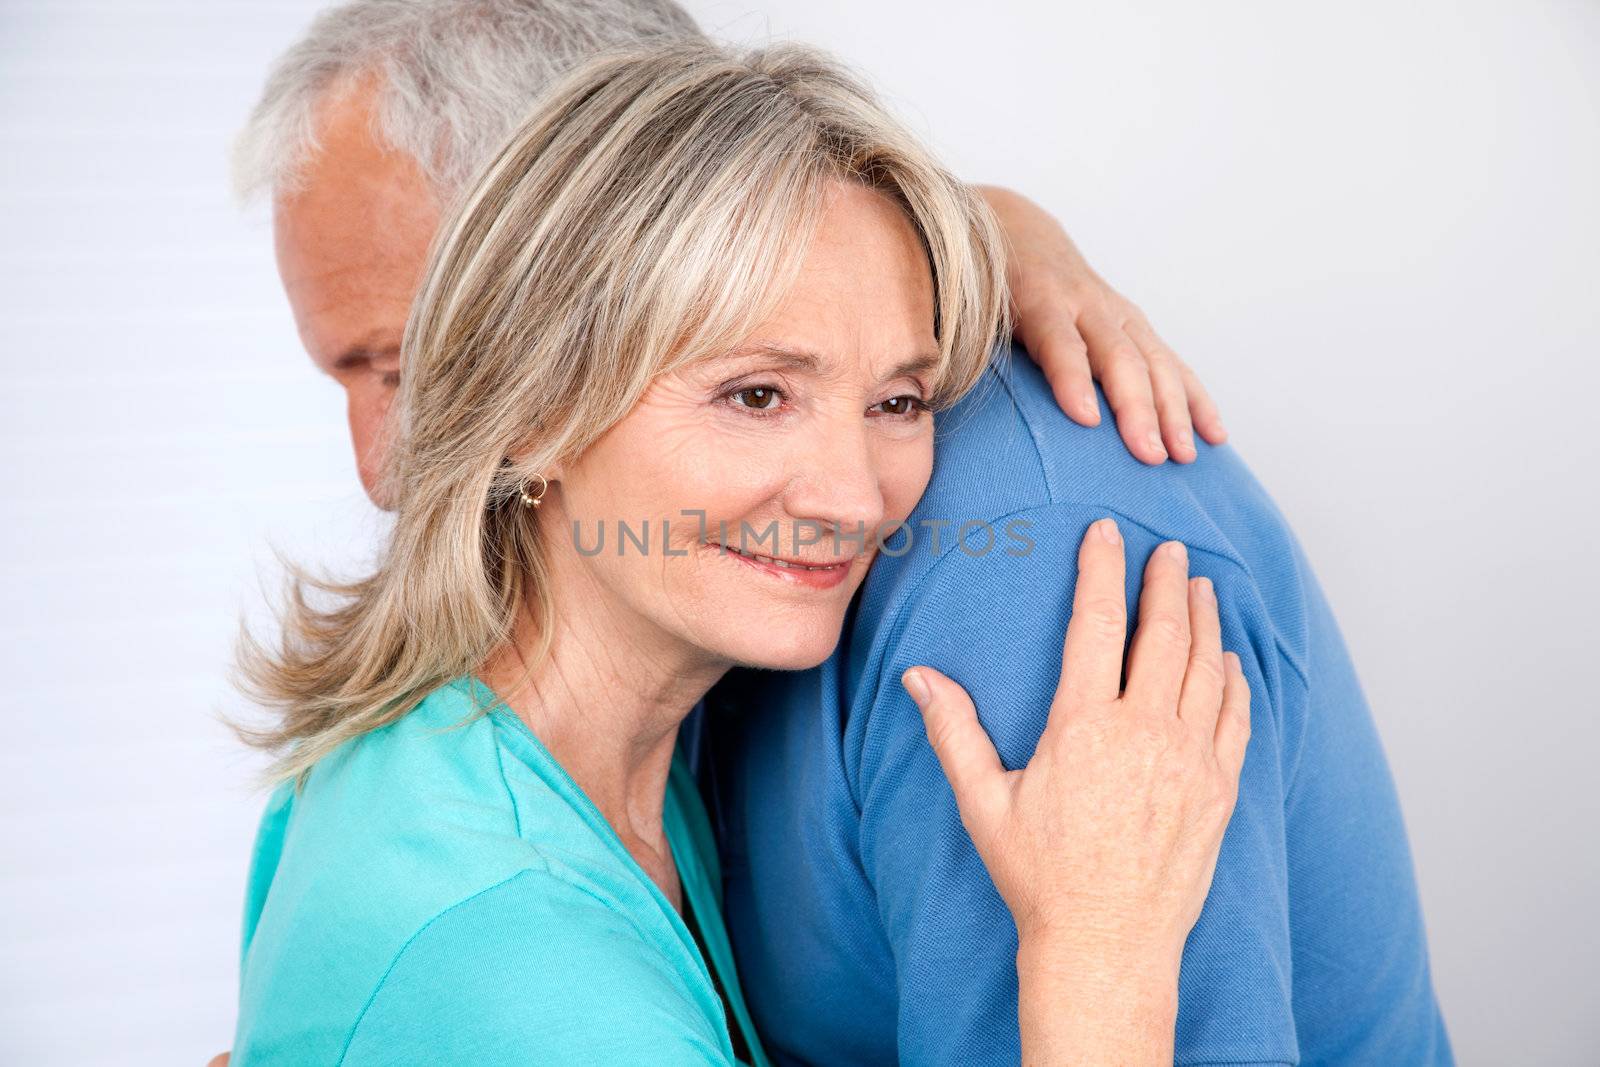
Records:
x=349, y=145
x=352, y=236
x=353, y=182
x=327, y=258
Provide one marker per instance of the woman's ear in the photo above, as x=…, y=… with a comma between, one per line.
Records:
x=550, y=472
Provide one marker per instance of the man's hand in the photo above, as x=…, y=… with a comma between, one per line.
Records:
x=1079, y=329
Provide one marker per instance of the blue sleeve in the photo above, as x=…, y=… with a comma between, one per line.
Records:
x=531, y=971
x=1362, y=988
x=995, y=624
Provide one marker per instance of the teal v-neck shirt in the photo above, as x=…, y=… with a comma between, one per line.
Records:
x=440, y=891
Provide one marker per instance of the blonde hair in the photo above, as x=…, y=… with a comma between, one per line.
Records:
x=653, y=211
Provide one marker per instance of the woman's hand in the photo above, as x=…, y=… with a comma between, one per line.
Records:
x=1078, y=328
x=1104, y=846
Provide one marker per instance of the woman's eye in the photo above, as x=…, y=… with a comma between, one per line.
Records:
x=757, y=397
x=901, y=405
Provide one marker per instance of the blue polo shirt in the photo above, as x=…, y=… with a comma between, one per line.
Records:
x=865, y=926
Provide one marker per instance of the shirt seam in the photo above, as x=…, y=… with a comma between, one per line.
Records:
x=400, y=953
x=505, y=782
x=1292, y=778
x=546, y=869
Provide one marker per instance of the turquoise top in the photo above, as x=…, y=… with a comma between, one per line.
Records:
x=441, y=891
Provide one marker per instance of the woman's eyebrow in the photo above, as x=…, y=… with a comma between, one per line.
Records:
x=912, y=367
x=784, y=356
x=791, y=358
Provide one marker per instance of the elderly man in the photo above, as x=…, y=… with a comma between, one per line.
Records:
x=865, y=927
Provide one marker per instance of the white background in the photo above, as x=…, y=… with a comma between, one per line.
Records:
x=1373, y=228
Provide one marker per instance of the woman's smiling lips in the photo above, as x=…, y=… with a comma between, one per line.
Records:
x=798, y=572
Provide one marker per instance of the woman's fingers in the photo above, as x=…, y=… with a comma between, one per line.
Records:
x=1160, y=652
x=1091, y=655
x=1203, y=681
x=964, y=749
x=1233, y=723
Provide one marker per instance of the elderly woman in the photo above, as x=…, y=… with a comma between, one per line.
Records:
x=698, y=309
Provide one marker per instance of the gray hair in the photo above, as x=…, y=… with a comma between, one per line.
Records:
x=454, y=77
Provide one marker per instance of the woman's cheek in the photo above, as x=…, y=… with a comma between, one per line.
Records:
x=904, y=473
x=735, y=467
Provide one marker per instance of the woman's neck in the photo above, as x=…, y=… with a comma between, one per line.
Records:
x=607, y=703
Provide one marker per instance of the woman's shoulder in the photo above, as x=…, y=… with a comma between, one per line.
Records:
x=426, y=859
x=407, y=820
x=442, y=743
x=421, y=799
x=389, y=831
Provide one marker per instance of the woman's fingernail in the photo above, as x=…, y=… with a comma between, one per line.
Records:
x=1186, y=439
x=1176, y=551
x=1154, y=438
x=1108, y=530
x=1090, y=404
x=916, y=685
x=1206, y=591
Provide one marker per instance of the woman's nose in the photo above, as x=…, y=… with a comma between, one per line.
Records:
x=835, y=484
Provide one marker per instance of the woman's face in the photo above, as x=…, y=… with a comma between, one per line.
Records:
x=812, y=431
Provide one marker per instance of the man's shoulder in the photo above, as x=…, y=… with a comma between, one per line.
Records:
x=1016, y=483
x=1008, y=447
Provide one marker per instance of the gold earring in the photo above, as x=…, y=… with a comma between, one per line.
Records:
x=534, y=500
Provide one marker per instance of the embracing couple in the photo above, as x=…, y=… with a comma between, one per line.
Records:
x=855, y=764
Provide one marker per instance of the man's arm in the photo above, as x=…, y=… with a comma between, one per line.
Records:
x=995, y=624
x=1363, y=992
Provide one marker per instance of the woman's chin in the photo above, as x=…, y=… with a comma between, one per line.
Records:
x=793, y=663
x=779, y=651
